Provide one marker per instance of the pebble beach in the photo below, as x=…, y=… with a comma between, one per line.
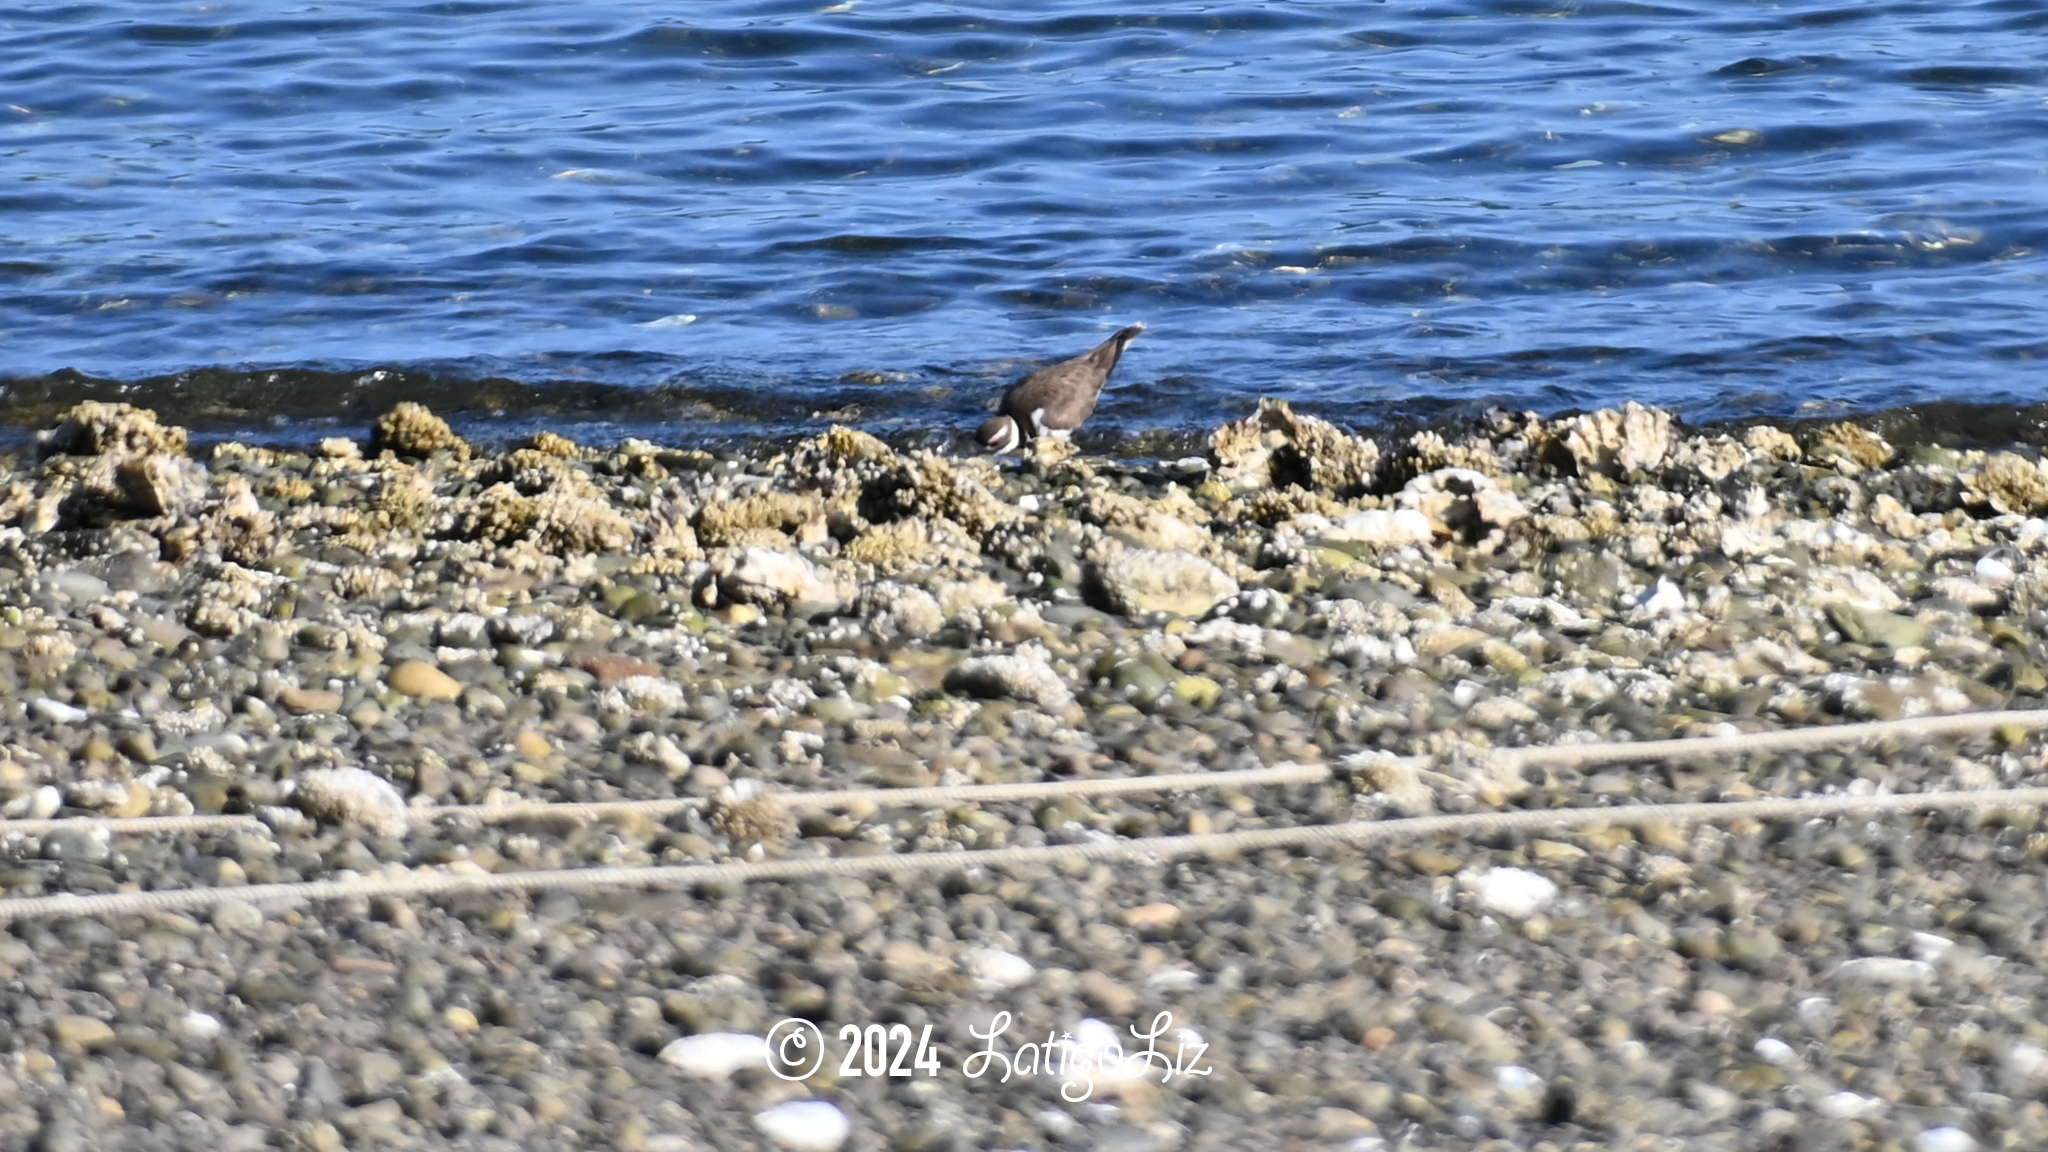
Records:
x=336, y=641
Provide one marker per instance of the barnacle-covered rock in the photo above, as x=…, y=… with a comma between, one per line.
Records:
x=1276, y=447
x=411, y=430
x=530, y=470
x=95, y=428
x=1162, y=525
x=932, y=486
x=1026, y=674
x=1616, y=441
x=1461, y=502
x=1715, y=459
x=895, y=609
x=1850, y=448
x=579, y=525
x=892, y=547
x=774, y=576
x=1142, y=581
x=749, y=813
x=1429, y=451
x=555, y=522
x=2010, y=484
x=762, y=519
x=555, y=445
x=227, y=604
x=1776, y=443
x=499, y=515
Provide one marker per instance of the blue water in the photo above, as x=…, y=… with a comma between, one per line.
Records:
x=715, y=216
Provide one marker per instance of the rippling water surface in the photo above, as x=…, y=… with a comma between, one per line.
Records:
x=721, y=218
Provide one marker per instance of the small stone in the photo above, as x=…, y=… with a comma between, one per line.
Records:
x=422, y=681
x=338, y=795
x=805, y=1125
x=44, y=803
x=1433, y=863
x=84, y=1031
x=301, y=701
x=85, y=845
x=1153, y=918
x=715, y=1055
x=1556, y=852
x=1341, y=1124
x=199, y=1025
x=1513, y=892
x=1944, y=1139
x=1847, y=1105
x=993, y=968
x=1106, y=993
x=1772, y=1050
x=1888, y=970
x=1865, y=625
x=58, y=712
x=238, y=917
x=1200, y=691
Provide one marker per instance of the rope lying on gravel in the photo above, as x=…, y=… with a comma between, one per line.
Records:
x=1146, y=850
x=598, y=809
x=1781, y=740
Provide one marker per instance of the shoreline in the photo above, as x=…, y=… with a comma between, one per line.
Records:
x=324, y=637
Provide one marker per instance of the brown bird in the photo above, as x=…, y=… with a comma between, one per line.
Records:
x=1056, y=399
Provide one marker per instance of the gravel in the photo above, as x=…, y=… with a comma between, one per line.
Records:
x=330, y=639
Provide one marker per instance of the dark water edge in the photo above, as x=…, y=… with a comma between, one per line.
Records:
x=727, y=412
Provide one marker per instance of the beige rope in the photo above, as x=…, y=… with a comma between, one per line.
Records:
x=1781, y=740
x=1747, y=743
x=1148, y=850
x=942, y=796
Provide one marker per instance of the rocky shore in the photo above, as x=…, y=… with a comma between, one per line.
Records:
x=430, y=624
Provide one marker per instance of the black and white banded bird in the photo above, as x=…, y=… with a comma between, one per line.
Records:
x=1056, y=399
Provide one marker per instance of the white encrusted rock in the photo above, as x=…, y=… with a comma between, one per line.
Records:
x=338, y=795
x=1141, y=581
x=1025, y=674
x=774, y=576
x=1516, y=893
x=1381, y=528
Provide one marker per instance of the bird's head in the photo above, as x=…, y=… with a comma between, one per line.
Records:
x=1000, y=435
